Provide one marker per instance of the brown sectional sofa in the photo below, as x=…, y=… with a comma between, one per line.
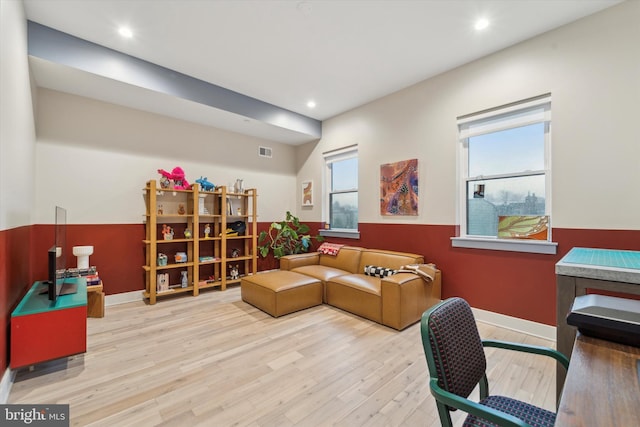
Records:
x=396, y=301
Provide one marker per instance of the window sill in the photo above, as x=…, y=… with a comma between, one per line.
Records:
x=345, y=234
x=531, y=246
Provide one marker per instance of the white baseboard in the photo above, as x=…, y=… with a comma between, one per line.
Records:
x=5, y=385
x=520, y=325
x=122, y=298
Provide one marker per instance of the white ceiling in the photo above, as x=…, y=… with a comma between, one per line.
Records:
x=341, y=54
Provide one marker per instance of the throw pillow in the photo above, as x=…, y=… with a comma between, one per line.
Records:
x=329, y=248
x=373, y=270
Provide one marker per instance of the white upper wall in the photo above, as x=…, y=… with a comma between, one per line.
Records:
x=94, y=159
x=591, y=68
x=17, y=132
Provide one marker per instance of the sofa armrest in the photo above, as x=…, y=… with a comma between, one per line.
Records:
x=289, y=262
x=405, y=296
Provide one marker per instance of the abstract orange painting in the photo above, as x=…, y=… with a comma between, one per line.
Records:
x=399, y=188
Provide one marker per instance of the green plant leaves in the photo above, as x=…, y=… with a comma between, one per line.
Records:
x=286, y=237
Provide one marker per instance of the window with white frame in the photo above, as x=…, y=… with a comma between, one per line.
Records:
x=341, y=191
x=504, y=192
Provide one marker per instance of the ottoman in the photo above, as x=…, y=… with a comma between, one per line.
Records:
x=281, y=292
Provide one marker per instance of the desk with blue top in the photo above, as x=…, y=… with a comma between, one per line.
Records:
x=43, y=330
x=583, y=269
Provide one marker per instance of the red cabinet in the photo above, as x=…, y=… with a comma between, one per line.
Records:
x=42, y=330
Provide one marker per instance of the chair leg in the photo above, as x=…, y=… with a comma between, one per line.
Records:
x=445, y=416
x=484, y=387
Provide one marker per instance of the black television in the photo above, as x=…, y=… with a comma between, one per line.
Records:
x=56, y=257
x=50, y=283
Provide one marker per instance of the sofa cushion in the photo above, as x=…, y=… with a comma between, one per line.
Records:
x=357, y=294
x=321, y=272
x=376, y=271
x=281, y=292
x=368, y=284
x=347, y=259
x=289, y=262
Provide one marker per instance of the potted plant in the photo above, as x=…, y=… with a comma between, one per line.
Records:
x=286, y=238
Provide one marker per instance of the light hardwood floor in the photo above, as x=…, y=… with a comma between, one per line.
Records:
x=214, y=360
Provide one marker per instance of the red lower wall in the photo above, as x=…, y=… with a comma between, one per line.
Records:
x=4, y=303
x=515, y=284
x=118, y=253
x=15, y=279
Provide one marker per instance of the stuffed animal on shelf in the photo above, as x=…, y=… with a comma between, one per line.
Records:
x=177, y=176
x=165, y=182
x=235, y=272
x=205, y=185
x=167, y=232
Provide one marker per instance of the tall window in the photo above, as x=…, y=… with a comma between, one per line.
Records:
x=505, y=171
x=341, y=189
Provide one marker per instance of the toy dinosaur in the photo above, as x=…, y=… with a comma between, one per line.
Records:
x=205, y=185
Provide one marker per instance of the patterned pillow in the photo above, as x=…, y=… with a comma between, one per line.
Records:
x=373, y=270
x=329, y=248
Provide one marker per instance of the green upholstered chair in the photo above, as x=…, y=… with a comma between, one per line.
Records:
x=457, y=363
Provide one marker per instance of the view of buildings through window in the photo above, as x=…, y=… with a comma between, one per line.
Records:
x=505, y=172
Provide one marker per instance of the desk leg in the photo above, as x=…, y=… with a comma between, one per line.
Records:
x=565, y=334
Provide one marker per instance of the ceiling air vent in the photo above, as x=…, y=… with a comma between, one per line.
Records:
x=264, y=152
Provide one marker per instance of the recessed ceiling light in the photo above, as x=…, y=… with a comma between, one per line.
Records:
x=311, y=104
x=125, y=32
x=481, y=24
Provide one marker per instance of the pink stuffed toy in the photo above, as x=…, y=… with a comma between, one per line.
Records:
x=177, y=176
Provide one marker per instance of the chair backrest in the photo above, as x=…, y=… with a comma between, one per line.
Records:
x=452, y=346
